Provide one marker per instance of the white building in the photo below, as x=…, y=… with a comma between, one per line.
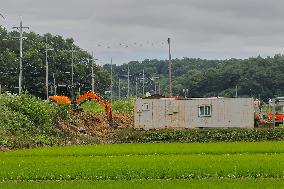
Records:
x=194, y=113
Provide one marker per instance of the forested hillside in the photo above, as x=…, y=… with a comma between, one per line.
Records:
x=257, y=77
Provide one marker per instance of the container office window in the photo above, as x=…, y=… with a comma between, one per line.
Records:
x=204, y=111
x=145, y=106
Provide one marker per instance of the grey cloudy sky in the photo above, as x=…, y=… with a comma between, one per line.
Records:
x=198, y=28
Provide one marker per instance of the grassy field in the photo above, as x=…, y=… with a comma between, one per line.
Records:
x=156, y=165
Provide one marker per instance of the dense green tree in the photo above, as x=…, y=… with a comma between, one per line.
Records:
x=34, y=64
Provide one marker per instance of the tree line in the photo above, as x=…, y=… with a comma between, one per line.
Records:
x=253, y=77
x=59, y=61
x=256, y=77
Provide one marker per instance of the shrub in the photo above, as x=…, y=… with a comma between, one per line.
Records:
x=27, y=121
x=198, y=135
x=122, y=106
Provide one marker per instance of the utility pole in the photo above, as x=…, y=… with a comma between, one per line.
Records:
x=155, y=87
x=128, y=81
x=236, y=91
x=20, y=28
x=46, y=68
x=136, y=87
x=72, y=70
x=155, y=82
x=111, y=80
x=92, y=66
x=93, y=77
x=273, y=112
x=54, y=84
x=143, y=80
x=118, y=88
x=170, y=68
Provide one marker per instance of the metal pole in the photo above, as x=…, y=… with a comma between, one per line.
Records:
x=128, y=84
x=46, y=73
x=20, y=28
x=21, y=57
x=159, y=88
x=54, y=84
x=0, y=89
x=143, y=79
x=118, y=88
x=46, y=67
x=111, y=79
x=136, y=87
x=273, y=112
x=72, y=72
x=93, y=79
x=236, y=91
x=170, y=68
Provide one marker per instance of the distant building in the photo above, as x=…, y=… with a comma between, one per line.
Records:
x=194, y=113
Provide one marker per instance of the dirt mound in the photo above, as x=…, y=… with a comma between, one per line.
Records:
x=96, y=123
x=123, y=120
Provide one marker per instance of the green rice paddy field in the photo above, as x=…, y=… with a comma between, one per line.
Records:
x=150, y=165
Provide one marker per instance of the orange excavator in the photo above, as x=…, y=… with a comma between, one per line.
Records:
x=60, y=100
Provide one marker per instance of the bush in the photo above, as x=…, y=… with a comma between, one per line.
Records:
x=26, y=112
x=198, y=135
x=122, y=106
x=27, y=121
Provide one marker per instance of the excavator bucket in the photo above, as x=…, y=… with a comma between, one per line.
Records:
x=60, y=100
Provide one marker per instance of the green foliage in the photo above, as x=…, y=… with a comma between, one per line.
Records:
x=122, y=106
x=27, y=121
x=255, y=76
x=34, y=64
x=199, y=135
x=92, y=106
x=27, y=112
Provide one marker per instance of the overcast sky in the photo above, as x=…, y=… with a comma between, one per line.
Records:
x=138, y=29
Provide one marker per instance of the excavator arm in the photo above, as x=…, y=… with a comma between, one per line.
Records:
x=81, y=99
x=94, y=96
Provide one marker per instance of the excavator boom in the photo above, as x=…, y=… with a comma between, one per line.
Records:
x=81, y=99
